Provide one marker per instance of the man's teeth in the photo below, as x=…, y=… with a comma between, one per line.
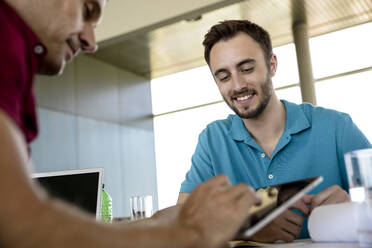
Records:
x=243, y=98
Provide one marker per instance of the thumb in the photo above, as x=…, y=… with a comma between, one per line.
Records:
x=307, y=199
x=302, y=207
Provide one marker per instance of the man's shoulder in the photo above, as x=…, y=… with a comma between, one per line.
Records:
x=223, y=124
x=220, y=128
x=219, y=131
x=8, y=17
x=318, y=113
x=12, y=30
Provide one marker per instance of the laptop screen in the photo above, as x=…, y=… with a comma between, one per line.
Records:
x=81, y=188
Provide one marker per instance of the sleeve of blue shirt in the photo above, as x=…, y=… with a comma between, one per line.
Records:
x=201, y=169
x=349, y=138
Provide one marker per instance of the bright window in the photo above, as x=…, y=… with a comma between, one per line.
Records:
x=183, y=90
x=176, y=136
x=342, y=51
x=292, y=94
x=287, y=72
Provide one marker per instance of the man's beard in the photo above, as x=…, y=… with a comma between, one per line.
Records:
x=266, y=91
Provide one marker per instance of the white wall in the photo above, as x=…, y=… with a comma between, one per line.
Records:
x=92, y=116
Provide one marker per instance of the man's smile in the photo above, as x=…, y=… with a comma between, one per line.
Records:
x=245, y=97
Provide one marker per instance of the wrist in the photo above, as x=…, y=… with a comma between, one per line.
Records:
x=188, y=236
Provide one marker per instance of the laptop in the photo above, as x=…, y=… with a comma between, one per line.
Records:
x=81, y=188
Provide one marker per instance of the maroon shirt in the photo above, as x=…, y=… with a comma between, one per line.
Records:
x=20, y=55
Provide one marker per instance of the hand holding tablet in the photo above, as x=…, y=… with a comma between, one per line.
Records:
x=275, y=201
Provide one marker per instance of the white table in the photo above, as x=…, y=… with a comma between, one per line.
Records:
x=303, y=244
x=330, y=245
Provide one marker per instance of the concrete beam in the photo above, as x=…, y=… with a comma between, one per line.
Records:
x=305, y=71
x=127, y=17
x=301, y=41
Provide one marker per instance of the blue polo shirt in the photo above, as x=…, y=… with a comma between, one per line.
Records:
x=313, y=144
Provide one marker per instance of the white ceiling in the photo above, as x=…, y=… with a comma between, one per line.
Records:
x=177, y=46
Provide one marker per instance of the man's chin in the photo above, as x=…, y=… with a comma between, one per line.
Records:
x=246, y=114
x=50, y=68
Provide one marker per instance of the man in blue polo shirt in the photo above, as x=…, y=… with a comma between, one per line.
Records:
x=269, y=141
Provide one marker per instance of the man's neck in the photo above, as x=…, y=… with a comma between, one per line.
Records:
x=268, y=127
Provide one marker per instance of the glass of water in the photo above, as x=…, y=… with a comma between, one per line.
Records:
x=359, y=172
x=141, y=207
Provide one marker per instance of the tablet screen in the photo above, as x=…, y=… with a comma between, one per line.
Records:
x=277, y=197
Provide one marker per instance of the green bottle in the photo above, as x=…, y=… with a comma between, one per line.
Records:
x=106, y=206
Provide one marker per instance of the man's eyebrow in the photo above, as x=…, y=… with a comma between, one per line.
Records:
x=219, y=71
x=98, y=8
x=246, y=61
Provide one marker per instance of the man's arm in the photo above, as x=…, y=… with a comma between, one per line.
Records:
x=331, y=195
x=182, y=197
x=29, y=218
x=40, y=221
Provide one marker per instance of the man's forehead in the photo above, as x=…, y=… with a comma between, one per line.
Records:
x=234, y=50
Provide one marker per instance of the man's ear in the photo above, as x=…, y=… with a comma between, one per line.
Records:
x=273, y=65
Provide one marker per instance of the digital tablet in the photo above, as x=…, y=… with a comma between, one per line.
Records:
x=275, y=200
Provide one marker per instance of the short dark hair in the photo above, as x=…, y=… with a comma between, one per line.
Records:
x=228, y=29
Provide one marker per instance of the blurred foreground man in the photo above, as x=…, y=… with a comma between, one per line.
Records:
x=269, y=141
x=40, y=36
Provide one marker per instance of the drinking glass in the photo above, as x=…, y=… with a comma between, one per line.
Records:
x=141, y=207
x=359, y=172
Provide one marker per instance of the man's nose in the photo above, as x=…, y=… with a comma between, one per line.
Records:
x=88, y=40
x=238, y=82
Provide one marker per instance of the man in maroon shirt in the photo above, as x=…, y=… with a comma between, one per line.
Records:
x=40, y=36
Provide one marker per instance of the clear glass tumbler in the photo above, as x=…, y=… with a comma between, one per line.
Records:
x=141, y=207
x=359, y=172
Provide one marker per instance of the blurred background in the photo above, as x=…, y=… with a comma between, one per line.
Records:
x=137, y=106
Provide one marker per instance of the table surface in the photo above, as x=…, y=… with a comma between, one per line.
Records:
x=330, y=245
x=302, y=244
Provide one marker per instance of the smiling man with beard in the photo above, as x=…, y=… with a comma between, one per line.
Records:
x=269, y=141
